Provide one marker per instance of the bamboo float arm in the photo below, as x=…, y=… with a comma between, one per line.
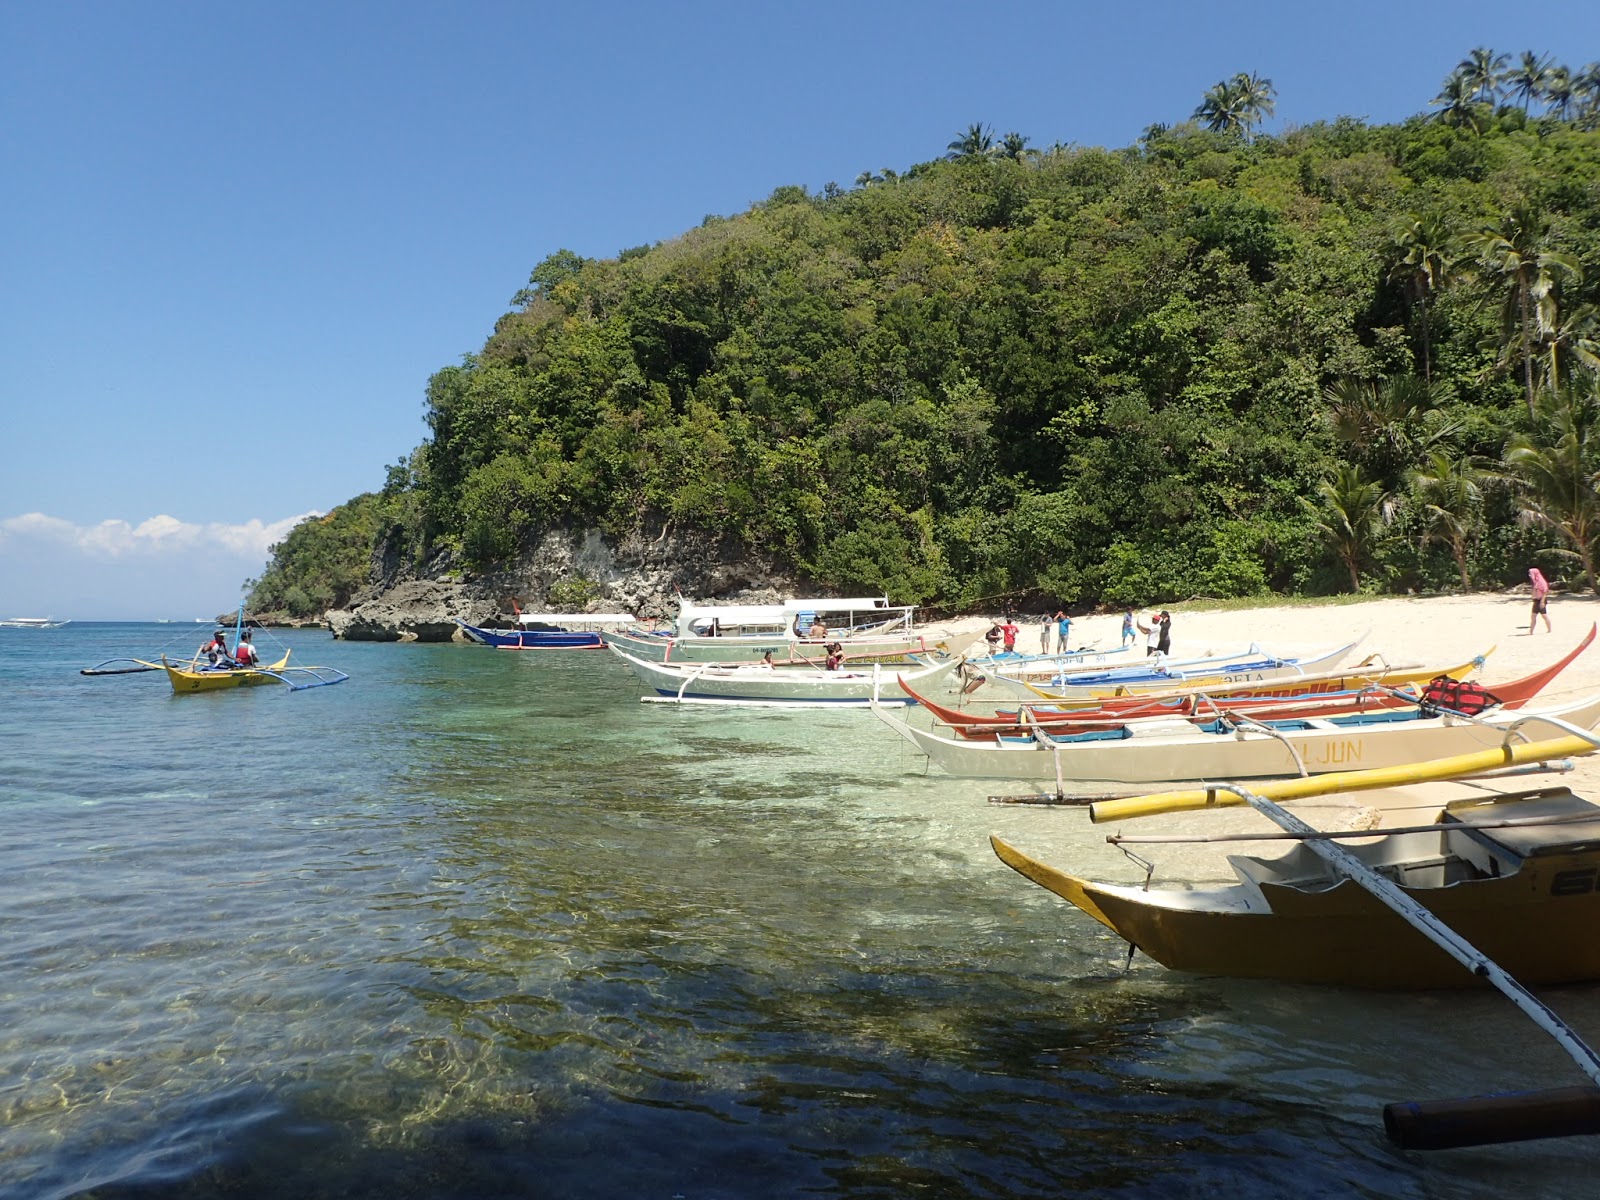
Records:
x=1580, y=742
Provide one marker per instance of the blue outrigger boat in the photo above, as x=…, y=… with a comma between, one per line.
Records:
x=549, y=631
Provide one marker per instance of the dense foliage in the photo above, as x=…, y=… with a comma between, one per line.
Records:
x=1214, y=363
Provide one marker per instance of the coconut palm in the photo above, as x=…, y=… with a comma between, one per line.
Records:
x=1483, y=70
x=1586, y=97
x=976, y=142
x=1574, y=344
x=1458, y=103
x=1219, y=109
x=1528, y=78
x=1450, y=493
x=1555, y=470
x=1015, y=147
x=1237, y=105
x=1560, y=92
x=1427, y=262
x=1530, y=276
x=1350, y=510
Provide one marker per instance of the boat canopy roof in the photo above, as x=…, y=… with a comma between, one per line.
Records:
x=576, y=618
x=750, y=614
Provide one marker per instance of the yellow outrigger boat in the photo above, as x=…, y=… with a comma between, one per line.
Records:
x=196, y=674
x=1516, y=873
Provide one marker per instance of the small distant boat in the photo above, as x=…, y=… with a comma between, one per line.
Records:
x=550, y=631
x=32, y=623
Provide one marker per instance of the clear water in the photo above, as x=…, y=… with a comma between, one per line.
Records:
x=480, y=924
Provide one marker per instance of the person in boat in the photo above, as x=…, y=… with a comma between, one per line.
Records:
x=1541, y=600
x=818, y=630
x=766, y=661
x=216, y=650
x=835, y=658
x=245, y=653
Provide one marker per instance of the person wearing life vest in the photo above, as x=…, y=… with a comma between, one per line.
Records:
x=245, y=654
x=216, y=650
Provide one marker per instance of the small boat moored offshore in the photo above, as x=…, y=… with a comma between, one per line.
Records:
x=550, y=631
x=32, y=623
x=222, y=671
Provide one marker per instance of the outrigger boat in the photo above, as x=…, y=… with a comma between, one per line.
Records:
x=761, y=684
x=1499, y=890
x=197, y=674
x=1361, y=692
x=1235, y=746
x=32, y=623
x=1254, y=666
x=549, y=631
x=869, y=629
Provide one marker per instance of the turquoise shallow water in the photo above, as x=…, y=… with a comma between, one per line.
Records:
x=480, y=924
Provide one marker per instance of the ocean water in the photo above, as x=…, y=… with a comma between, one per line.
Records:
x=479, y=924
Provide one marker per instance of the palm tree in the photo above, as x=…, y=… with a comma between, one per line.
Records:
x=1220, y=110
x=1351, y=510
x=1427, y=262
x=1586, y=95
x=1483, y=70
x=1530, y=276
x=1015, y=147
x=1389, y=426
x=976, y=142
x=1458, y=104
x=1257, y=99
x=1451, y=493
x=1574, y=342
x=1560, y=92
x=1555, y=469
x=1237, y=105
x=1528, y=78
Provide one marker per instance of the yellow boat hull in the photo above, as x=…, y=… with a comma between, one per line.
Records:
x=1538, y=924
x=186, y=680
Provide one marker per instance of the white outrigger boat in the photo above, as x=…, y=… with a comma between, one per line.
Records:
x=1161, y=749
x=32, y=623
x=869, y=629
x=762, y=684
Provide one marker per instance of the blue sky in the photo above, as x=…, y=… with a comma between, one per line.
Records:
x=236, y=240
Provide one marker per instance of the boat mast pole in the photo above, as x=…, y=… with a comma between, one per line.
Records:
x=1435, y=930
x=238, y=629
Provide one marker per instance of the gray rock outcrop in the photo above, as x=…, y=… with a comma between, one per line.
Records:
x=637, y=575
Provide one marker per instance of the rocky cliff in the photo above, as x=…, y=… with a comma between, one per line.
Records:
x=644, y=577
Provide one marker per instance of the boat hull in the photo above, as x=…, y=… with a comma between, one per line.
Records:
x=534, y=639
x=708, y=683
x=1163, y=752
x=1537, y=924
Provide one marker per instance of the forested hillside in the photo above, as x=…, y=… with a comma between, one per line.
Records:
x=1211, y=363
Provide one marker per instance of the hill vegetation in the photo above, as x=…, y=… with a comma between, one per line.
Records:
x=1214, y=363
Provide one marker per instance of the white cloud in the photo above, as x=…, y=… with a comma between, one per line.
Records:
x=121, y=570
x=156, y=537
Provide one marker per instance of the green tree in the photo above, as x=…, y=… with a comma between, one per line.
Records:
x=1237, y=105
x=1528, y=79
x=1529, y=274
x=1555, y=467
x=1426, y=262
x=976, y=142
x=1484, y=71
x=1573, y=345
x=1450, y=494
x=1389, y=426
x=1458, y=103
x=1349, y=511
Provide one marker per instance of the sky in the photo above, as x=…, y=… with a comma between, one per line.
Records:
x=236, y=240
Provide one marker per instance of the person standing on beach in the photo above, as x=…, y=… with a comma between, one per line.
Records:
x=1127, y=627
x=1008, y=634
x=1541, y=600
x=1152, y=636
x=1063, y=630
x=1164, y=646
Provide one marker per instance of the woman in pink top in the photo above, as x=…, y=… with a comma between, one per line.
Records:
x=1541, y=592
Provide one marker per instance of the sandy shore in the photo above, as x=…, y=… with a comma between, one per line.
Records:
x=1436, y=631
